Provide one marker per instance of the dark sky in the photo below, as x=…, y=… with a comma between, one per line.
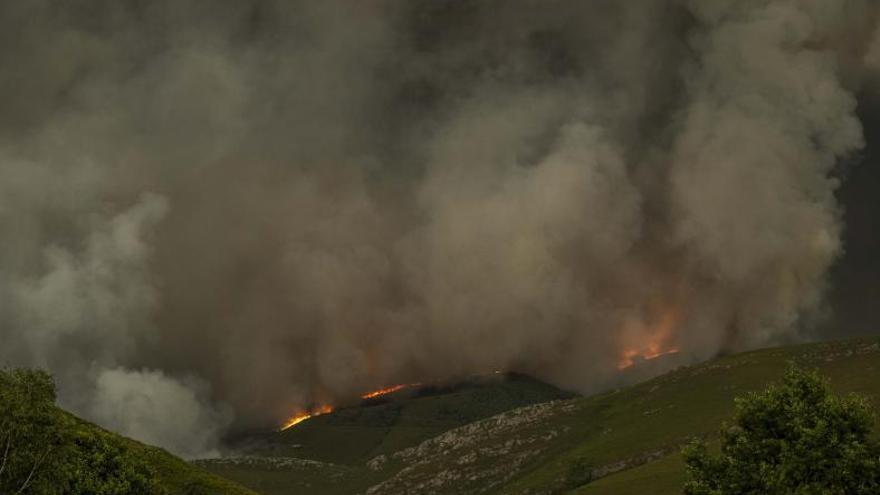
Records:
x=856, y=277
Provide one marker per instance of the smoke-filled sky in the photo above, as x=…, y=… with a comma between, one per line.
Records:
x=213, y=213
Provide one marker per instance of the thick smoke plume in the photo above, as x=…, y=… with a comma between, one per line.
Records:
x=213, y=213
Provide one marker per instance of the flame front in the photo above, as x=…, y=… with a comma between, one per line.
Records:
x=630, y=355
x=388, y=390
x=304, y=415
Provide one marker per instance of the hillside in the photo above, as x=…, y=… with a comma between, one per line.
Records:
x=624, y=441
x=329, y=453
x=174, y=475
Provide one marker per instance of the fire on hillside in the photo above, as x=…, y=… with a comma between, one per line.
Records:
x=660, y=334
x=301, y=416
x=388, y=390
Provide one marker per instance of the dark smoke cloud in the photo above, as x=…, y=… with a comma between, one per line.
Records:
x=213, y=213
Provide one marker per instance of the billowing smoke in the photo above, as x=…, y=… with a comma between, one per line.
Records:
x=213, y=213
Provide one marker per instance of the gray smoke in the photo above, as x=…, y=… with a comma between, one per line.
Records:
x=212, y=214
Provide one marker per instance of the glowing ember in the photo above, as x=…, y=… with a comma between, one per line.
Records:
x=388, y=390
x=304, y=415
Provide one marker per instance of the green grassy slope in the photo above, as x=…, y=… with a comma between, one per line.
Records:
x=180, y=477
x=654, y=418
x=626, y=439
x=665, y=475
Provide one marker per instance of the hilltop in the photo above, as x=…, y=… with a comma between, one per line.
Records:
x=336, y=452
x=623, y=441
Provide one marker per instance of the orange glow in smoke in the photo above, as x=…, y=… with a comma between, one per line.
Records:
x=388, y=390
x=304, y=415
x=659, y=344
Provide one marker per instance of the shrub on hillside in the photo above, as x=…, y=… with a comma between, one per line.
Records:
x=793, y=438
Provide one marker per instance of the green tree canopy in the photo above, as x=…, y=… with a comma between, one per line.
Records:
x=44, y=450
x=30, y=437
x=797, y=438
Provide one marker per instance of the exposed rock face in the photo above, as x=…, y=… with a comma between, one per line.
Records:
x=275, y=462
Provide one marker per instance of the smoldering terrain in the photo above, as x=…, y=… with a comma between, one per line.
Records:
x=215, y=213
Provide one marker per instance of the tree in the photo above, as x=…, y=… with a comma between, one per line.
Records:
x=44, y=450
x=30, y=437
x=793, y=438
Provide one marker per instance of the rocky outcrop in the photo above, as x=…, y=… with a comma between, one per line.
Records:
x=477, y=457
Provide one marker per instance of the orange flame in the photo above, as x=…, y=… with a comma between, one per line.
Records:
x=659, y=341
x=388, y=390
x=304, y=415
x=629, y=356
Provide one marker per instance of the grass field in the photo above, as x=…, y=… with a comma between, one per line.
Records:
x=665, y=475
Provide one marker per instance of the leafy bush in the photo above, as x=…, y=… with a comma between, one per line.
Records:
x=793, y=438
x=578, y=473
